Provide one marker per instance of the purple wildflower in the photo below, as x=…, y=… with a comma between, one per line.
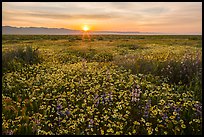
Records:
x=91, y=122
x=59, y=106
x=96, y=96
x=136, y=94
x=164, y=117
x=146, y=111
x=177, y=117
x=67, y=112
x=97, y=102
x=198, y=107
x=61, y=114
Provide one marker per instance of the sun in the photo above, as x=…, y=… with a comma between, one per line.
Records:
x=86, y=28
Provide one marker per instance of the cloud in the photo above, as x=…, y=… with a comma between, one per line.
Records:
x=136, y=15
x=73, y=16
x=19, y=14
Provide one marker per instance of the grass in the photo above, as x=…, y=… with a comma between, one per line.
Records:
x=110, y=85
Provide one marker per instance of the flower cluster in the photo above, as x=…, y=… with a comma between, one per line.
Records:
x=136, y=94
x=81, y=97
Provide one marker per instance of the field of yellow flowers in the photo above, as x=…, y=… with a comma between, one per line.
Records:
x=109, y=85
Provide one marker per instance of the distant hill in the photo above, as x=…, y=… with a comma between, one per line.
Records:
x=52, y=31
x=37, y=31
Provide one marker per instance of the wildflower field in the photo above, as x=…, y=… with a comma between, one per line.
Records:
x=106, y=85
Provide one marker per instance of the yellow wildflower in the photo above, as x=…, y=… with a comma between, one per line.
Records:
x=174, y=113
x=177, y=128
x=161, y=102
x=178, y=103
x=160, y=112
x=136, y=123
x=155, y=112
x=172, y=117
x=110, y=130
x=117, y=133
x=197, y=120
x=143, y=120
x=183, y=126
x=156, y=129
x=149, y=130
x=181, y=121
x=102, y=132
x=185, y=104
x=184, y=95
x=148, y=124
x=159, y=120
x=175, y=122
x=160, y=125
x=167, y=107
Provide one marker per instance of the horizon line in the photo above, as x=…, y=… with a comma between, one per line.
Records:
x=108, y=31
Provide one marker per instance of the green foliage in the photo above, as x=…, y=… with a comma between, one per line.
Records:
x=89, y=56
x=186, y=69
x=19, y=56
x=131, y=46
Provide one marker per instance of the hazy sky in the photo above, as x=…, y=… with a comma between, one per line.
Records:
x=168, y=17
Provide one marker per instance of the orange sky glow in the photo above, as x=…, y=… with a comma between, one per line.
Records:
x=164, y=17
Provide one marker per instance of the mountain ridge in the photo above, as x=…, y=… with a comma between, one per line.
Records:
x=49, y=31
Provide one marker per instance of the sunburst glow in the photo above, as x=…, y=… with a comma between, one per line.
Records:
x=86, y=28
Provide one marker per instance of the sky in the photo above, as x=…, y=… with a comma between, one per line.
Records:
x=163, y=17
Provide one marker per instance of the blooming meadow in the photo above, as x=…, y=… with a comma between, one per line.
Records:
x=70, y=87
